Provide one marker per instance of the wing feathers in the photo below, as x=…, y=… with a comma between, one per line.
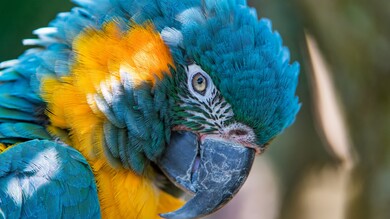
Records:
x=46, y=180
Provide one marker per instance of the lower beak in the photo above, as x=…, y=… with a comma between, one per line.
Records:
x=213, y=171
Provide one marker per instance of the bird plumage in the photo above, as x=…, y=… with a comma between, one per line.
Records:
x=114, y=78
x=46, y=179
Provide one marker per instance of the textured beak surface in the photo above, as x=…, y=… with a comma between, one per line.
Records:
x=213, y=171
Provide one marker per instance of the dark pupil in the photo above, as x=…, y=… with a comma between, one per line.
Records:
x=200, y=80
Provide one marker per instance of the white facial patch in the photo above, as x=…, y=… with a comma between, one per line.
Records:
x=208, y=108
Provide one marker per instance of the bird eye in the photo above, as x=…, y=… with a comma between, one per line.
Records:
x=199, y=83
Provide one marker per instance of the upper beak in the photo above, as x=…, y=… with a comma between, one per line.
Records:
x=213, y=170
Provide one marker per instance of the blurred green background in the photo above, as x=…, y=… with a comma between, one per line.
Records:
x=354, y=38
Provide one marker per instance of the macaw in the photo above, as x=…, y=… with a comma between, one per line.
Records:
x=121, y=104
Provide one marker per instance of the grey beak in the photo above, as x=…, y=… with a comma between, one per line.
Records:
x=213, y=171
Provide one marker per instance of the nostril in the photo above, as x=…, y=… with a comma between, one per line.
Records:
x=238, y=132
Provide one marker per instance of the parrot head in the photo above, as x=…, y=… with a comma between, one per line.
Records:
x=233, y=91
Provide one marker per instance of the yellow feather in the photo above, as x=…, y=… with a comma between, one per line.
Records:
x=168, y=203
x=100, y=56
x=2, y=148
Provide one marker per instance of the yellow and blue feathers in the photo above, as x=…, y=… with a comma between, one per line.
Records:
x=103, y=79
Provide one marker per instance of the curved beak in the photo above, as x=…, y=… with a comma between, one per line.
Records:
x=212, y=170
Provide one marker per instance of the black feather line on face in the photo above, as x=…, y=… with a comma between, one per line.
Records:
x=203, y=116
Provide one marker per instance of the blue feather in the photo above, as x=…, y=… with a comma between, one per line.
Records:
x=36, y=170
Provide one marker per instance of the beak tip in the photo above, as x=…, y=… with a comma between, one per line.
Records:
x=166, y=215
x=175, y=215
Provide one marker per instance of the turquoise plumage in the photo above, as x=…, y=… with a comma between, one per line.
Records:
x=45, y=179
x=226, y=81
x=253, y=51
